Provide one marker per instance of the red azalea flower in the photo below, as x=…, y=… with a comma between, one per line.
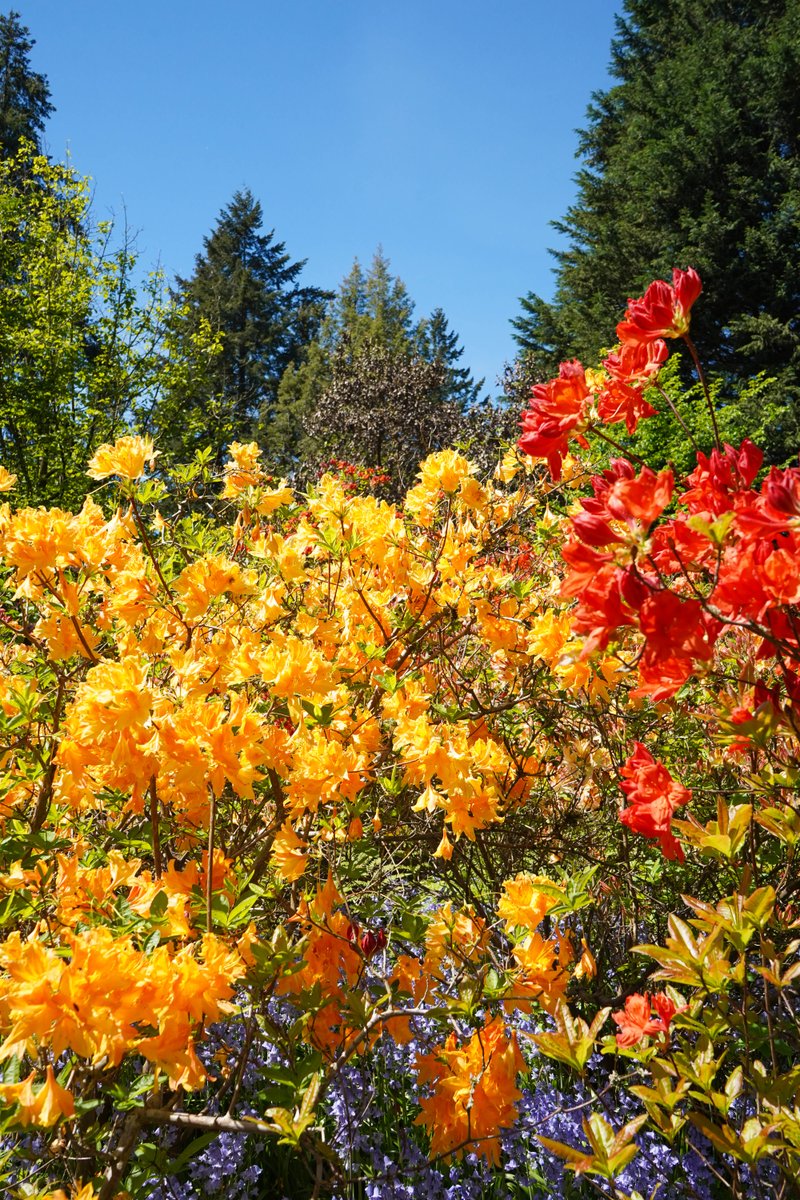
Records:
x=623, y=402
x=663, y=311
x=555, y=411
x=636, y=1021
x=653, y=796
x=619, y=495
x=636, y=362
x=722, y=479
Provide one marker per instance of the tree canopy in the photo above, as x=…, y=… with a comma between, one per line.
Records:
x=24, y=93
x=246, y=290
x=81, y=345
x=377, y=385
x=690, y=158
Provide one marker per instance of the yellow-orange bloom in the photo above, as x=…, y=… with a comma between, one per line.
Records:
x=524, y=903
x=127, y=457
x=289, y=853
x=7, y=480
x=46, y=1107
x=474, y=1091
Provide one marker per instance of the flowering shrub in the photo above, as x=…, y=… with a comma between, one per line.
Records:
x=319, y=809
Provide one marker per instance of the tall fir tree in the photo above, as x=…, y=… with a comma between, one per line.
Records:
x=24, y=93
x=245, y=290
x=368, y=341
x=437, y=342
x=691, y=158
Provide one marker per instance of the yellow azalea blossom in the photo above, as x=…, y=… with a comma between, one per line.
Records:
x=270, y=499
x=243, y=469
x=127, y=457
x=289, y=853
x=523, y=903
x=7, y=480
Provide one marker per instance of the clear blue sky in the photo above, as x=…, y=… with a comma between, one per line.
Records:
x=441, y=129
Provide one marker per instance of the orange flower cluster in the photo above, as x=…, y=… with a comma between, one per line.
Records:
x=104, y=999
x=473, y=1091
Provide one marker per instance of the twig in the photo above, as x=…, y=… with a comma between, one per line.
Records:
x=701, y=376
x=154, y=826
x=209, y=865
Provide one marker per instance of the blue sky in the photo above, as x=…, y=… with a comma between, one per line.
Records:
x=441, y=129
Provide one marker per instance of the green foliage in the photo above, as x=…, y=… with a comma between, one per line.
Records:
x=243, y=302
x=78, y=345
x=691, y=158
x=755, y=411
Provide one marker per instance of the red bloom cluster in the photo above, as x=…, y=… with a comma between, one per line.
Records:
x=663, y=311
x=562, y=408
x=728, y=556
x=636, y=1020
x=653, y=796
x=556, y=411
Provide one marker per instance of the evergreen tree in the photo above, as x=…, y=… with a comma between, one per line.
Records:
x=691, y=158
x=245, y=288
x=439, y=343
x=24, y=94
x=369, y=340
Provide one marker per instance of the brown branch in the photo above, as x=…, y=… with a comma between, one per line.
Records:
x=156, y=834
x=209, y=865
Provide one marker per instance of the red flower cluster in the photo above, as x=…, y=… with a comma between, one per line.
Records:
x=556, y=411
x=636, y=1020
x=663, y=311
x=562, y=408
x=653, y=796
x=728, y=556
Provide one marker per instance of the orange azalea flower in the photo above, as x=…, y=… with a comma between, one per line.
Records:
x=80, y=1192
x=474, y=1091
x=53, y=1101
x=46, y=1107
x=542, y=975
x=127, y=457
x=522, y=903
x=289, y=853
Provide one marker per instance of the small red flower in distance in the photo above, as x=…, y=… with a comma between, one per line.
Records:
x=636, y=1021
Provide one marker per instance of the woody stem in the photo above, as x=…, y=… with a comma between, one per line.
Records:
x=701, y=376
x=209, y=871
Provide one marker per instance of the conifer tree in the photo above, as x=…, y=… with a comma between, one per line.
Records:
x=370, y=341
x=245, y=288
x=24, y=93
x=690, y=158
x=439, y=343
